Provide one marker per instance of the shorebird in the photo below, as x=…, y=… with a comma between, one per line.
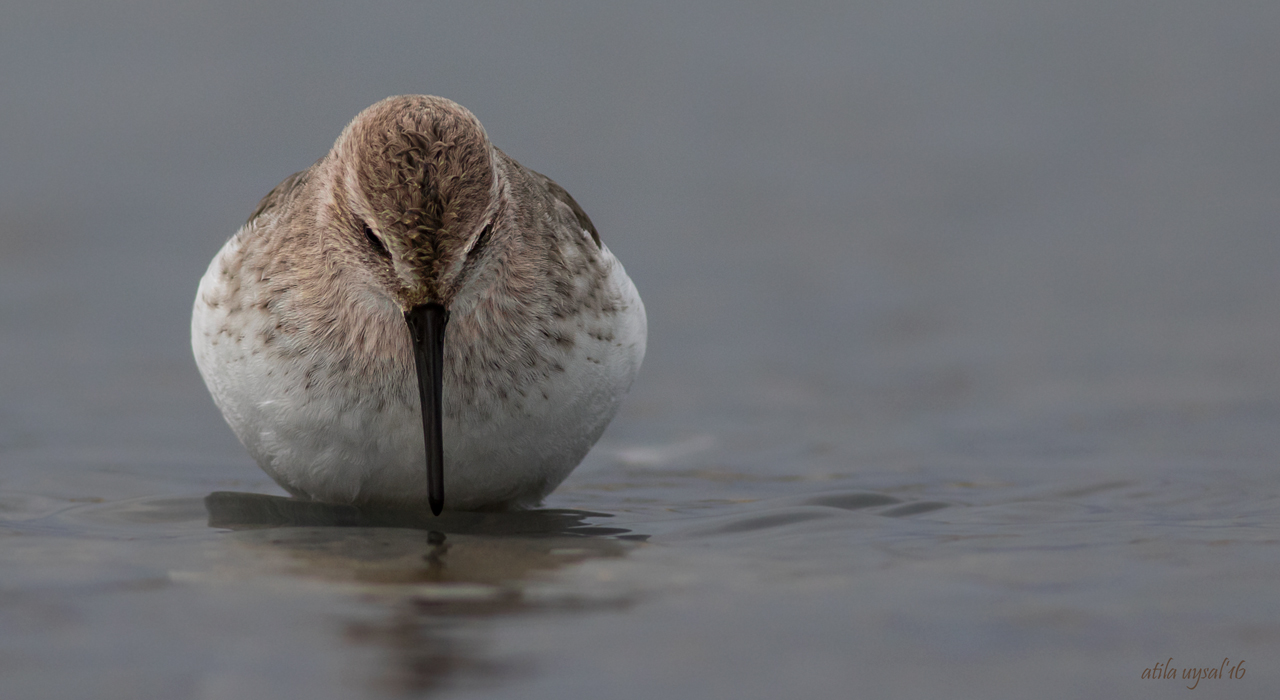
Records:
x=415, y=315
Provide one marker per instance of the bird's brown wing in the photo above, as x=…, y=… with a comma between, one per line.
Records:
x=280, y=194
x=559, y=193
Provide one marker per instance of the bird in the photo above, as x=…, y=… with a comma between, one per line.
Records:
x=416, y=320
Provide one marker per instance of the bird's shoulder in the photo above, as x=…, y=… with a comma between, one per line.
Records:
x=281, y=195
x=561, y=197
x=555, y=197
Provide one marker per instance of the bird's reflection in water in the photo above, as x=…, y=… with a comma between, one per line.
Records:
x=439, y=577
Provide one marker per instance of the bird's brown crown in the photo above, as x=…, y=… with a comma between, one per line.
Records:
x=418, y=171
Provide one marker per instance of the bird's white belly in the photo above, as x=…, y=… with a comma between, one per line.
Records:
x=325, y=434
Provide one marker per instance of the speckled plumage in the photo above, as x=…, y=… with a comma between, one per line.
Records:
x=298, y=326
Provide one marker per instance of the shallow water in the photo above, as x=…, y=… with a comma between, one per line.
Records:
x=963, y=373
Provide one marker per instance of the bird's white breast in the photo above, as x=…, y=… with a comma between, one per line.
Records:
x=324, y=432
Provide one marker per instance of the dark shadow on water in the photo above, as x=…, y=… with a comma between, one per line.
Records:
x=241, y=511
x=766, y=517
x=853, y=500
x=917, y=508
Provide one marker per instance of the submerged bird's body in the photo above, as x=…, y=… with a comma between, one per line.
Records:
x=313, y=325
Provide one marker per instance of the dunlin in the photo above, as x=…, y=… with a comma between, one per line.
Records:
x=416, y=315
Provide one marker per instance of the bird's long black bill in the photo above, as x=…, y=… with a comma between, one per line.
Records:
x=426, y=328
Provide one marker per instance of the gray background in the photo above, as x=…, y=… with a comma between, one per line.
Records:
x=1018, y=259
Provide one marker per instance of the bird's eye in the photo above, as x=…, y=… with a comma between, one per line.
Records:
x=481, y=241
x=378, y=246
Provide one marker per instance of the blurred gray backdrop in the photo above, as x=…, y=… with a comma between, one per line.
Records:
x=971, y=213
